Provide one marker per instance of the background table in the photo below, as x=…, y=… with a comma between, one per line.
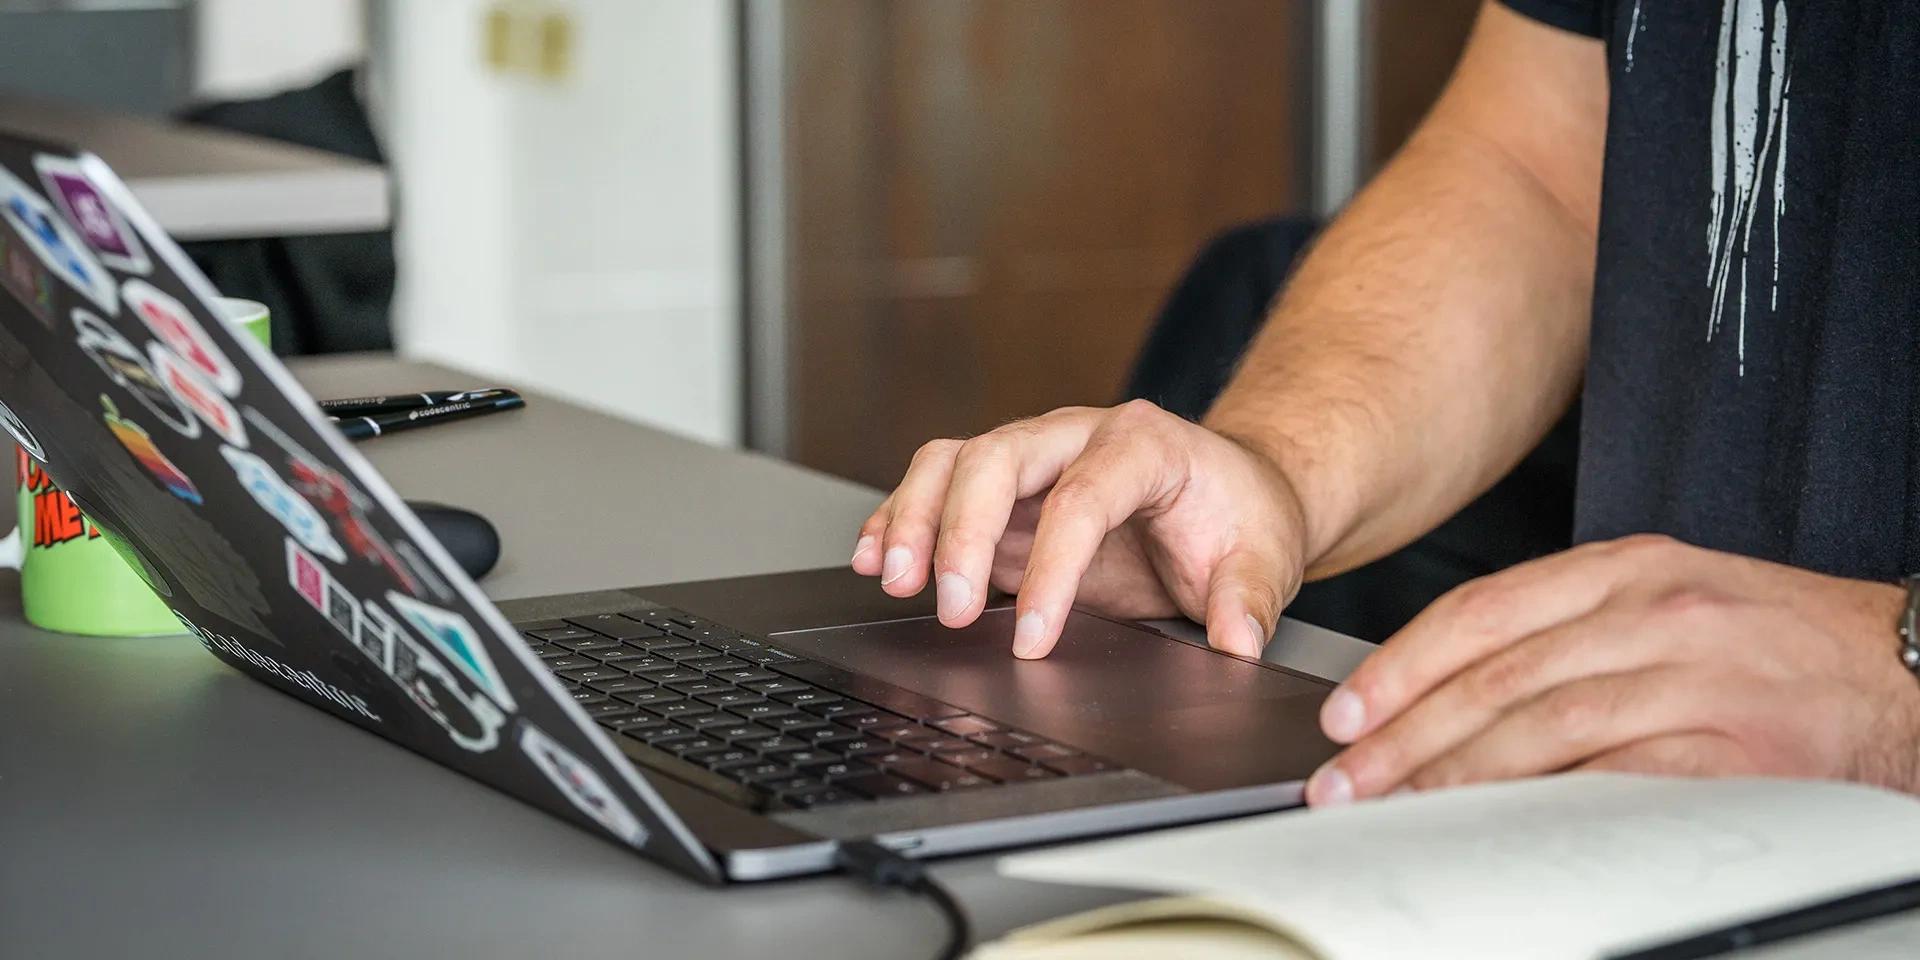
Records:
x=201, y=183
x=155, y=802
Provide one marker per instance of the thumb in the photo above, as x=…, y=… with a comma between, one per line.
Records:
x=1244, y=599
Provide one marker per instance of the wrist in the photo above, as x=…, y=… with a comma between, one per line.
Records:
x=1289, y=469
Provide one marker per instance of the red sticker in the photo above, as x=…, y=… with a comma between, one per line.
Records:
x=308, y=578
x=189, y=388
x=173, y=324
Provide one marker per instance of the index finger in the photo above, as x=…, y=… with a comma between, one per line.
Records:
x=1114, y=477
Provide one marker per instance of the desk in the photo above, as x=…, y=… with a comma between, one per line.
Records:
x=201, y=183
x=155, y=802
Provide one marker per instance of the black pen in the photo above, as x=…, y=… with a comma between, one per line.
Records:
x=369, y=406
x=1840, y=911
x=360, y=428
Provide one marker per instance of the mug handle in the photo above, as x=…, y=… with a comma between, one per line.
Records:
x=12, y=550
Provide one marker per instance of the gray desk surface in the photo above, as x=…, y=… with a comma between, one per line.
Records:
x=201, y=183
x=154, y=801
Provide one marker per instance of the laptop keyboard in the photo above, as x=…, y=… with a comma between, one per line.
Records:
x=779, y=729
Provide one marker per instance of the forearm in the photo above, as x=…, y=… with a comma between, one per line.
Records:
x=1433, y=335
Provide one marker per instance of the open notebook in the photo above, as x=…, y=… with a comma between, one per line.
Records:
x=1576, y=866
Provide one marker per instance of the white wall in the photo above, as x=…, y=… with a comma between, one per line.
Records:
x=577, y=234
x=249, y=48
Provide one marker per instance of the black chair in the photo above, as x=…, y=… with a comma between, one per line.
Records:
x=331, y=293
x=1189, y=356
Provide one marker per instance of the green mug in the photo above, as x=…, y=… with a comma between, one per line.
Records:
x=248, y=315
x=73, y=575
x=72, y=579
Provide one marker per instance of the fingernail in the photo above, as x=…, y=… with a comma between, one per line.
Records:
x=1028, y=632
x=899, y=561
x=1256, y=636
x=1343, y=715
x=955, y=595
x=1329, y=787
x=861, y=546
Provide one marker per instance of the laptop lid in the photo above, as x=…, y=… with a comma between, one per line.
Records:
x=272, y=540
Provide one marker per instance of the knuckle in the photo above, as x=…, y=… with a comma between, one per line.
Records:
x=1262, y=597
x=1477, y=601
x=1072, y=496
x=934, y=450
x=958, y=542
x=1379, y=757
x=1138, y=413
x=1438, y=776
x=1687, y=602
x=1501, y=679
x=992, y=448
x=1645, y=547
x=1576, y=714
x=911, y=518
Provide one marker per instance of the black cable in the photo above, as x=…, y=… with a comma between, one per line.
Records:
x=881, y=867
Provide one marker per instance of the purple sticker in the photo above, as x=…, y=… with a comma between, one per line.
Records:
x=92, y=214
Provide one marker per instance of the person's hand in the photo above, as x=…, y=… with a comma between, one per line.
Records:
x=1643, y=654
x=1135, y=511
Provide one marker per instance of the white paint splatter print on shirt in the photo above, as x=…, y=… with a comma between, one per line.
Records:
x=1749, y=154
x=1633, y=30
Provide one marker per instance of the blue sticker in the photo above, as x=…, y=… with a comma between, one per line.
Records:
x=63, y=253
x=300, y=519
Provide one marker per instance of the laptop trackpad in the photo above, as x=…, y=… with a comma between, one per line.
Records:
x=1171, y=709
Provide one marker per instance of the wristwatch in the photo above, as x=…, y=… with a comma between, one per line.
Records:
x=1910, y=625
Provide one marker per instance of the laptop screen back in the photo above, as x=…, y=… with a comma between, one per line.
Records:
x=271, y=539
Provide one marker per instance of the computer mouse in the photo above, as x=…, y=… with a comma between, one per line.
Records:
x=468, y=537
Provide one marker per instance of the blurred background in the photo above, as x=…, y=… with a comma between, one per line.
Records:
x=826, y=229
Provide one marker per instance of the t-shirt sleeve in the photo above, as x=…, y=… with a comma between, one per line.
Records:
x=1580, y=16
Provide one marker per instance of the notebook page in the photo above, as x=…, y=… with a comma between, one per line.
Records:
x=1570, y=866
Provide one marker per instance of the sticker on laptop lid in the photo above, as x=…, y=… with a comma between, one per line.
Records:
x=23, y=277
x=127, y=367
x=193, y=391
x=173, y=324
x=17, y=429
x=456, y=638
x=581, y=785
x=306, y=576
x=100, y=224
x=281, y=503
x=334, y=495
x=470, y=720
x=141, y=447
x=55, y=244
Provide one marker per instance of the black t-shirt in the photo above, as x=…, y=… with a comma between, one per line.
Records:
x=1753, y=371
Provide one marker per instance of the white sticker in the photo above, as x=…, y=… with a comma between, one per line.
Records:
x=173, y=324
x=456, y=638
x=581, y=785
x=17, y=429
x=301, y=520
x=127, y=367
x=63, y=253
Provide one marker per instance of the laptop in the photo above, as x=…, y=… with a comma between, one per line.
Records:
x=732, y=730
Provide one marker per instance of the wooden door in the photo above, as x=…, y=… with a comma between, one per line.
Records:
x=988, y=199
